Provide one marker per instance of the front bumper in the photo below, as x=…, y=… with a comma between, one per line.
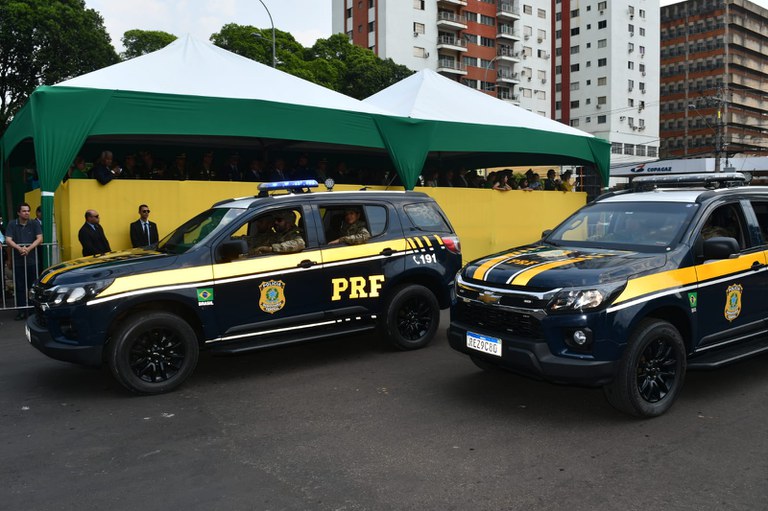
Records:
x=533, y=358
x=59, y=347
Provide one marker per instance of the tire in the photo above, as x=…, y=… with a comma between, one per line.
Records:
x=412, y=315
x=651, y=371
x=153, y=353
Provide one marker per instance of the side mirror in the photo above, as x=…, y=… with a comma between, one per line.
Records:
x=545, y=233
x=720, y=248
x=231, y=250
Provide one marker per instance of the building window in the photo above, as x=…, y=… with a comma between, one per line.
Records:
x=642, y=32
x=541, y=13
x=488, y=42
x=574, y=123
x=418, y=28
x=616, y=147
x=602, y=43
x=371, y=26
x=360, y=29
x=601, y=100
x=602, y=62
x=349, y=12
x=630, y=47
x=575, y=104
x=574, y=13
x=418, y=4
x=642, y=13
x=629, y=148
x=574, y=49
x=602, y=80
x=630, y=85
x=602, y=5
x=575, y=31
x=487, y=20
x=630, y=65
x=602, y=24
x=541, y=35
x=574, y=68
x=420, y=52
x=527, y=9
x=601, y=119
x=574, y=85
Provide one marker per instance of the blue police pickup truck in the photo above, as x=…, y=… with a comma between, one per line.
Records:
x=628, y=293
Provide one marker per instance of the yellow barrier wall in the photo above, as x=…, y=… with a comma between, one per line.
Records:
x=485, y=220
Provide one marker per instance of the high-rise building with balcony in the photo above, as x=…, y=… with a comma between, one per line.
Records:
x=589, y=63
x=714, y=79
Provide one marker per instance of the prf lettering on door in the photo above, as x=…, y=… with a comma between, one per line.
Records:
x=357, y=287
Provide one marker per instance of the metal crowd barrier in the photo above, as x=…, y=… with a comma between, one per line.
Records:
x=48, y=254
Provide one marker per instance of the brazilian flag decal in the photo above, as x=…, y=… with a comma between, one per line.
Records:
x=205, y=296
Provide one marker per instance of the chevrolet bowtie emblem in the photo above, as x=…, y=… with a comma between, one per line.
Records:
x=487, y=297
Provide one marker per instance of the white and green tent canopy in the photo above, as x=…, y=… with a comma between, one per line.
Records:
x=462, y=126
x=192, y=92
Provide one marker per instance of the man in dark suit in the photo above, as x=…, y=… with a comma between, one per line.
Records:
x=92, y=236
x=143, y=232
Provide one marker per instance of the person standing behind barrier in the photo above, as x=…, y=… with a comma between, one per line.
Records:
x=23, y=236
x=104, y=171
x=92, y=236
x=143, y=231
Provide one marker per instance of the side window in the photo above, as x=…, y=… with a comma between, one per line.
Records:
x=726, y=221
x=349, y=224
x=377, y=219
x=761, y=211
x=280, y=231
x=426, y=216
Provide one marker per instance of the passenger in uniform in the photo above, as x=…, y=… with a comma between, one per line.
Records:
x=264, y=236
x=287, y=238
x=353, y=230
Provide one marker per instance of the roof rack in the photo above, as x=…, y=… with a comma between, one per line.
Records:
x=300, y=186
x=710, y=180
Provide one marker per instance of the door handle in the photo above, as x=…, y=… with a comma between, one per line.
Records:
x=387, y=252
x=306, y=263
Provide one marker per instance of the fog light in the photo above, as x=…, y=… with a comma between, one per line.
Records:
x=579, y=337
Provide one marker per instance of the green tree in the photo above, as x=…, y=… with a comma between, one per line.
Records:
x=140, y=42
x=357, y=71
x=43, y=42
x=256, y=44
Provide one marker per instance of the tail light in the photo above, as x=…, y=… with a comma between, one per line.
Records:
x=452, y=243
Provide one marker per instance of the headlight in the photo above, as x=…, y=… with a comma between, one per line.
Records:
x=584, y=299
x=75, y=294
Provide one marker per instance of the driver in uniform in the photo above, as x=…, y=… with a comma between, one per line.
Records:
x=287, y=237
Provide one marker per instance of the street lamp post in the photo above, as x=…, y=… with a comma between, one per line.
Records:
x=274, y=60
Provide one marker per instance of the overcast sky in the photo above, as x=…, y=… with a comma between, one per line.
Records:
x=307, y=20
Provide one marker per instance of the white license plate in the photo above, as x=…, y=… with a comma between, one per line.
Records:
x=490, y=345
x=28, y=333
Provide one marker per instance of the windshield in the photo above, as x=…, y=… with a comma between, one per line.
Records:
x=197, y=230
x=642, y=226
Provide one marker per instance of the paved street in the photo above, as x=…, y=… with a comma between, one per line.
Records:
x=347, y=424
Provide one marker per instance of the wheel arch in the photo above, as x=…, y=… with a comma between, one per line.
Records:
x=677, y=318
x=158, y=305
x=431, y=281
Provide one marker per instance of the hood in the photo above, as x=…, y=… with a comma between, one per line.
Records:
x=547, y=267
x=106, y=266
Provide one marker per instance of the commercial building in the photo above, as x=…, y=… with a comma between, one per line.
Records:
x=714, y=77
x=588, y=63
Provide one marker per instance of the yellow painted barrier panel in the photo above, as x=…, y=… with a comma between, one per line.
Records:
x=486, y=221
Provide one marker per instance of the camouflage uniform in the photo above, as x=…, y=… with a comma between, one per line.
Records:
x=288, y=242
x=354, y=234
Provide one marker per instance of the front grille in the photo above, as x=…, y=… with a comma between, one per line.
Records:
x=498, y=319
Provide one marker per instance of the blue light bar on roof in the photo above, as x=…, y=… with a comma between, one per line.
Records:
x=288, y=185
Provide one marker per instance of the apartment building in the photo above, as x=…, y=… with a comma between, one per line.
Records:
x=589, y=63
x=714, y=79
